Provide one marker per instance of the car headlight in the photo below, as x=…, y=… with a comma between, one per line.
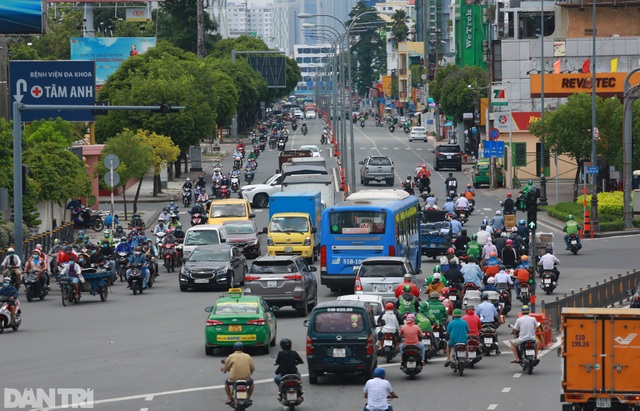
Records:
x=222, y=271
x=307, y=241
x=247, y=189
x=252, y=242
x=269, y=241
x=186, y=272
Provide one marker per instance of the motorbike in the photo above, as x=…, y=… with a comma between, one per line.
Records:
x=406, y=130
x=430, y=346
x=262, y=145
x=235, y=184
x=463, y=215
x=5, y=315
x=256, y=150
x=574, y=247
x=33, y=287
x=525, y=294
x=489, y=338
x=451, y=192
x=455, y=295
x=136, y=279
x=439, y=342
x=408, y=187
x=85, y=218
x=527, y=354
x=217, y=174
x=122, y=261
x=237, y=162
x=304, y=131
x=378, y=123
x=505, y=301
x=196, y=219
x=392, y=128
x=186, y=197
x=225, y=192
x=459, y=358
x=281, y=145
x=136, y=221
x=294, y=126
x=272, y=143
x=548, y=282
x=215, y=189
x=323, y=139
x=389, y=350
x=249, y=176
x=169, y=256
x=240, y=393
x=474, y=352
x=411, y=361
x=362, y=124
x=290, y=391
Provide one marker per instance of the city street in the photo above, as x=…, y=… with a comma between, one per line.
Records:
x=146, y=352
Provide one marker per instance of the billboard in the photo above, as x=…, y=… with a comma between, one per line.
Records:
x=108, y=52
x=564, y=85
x=57, y=82
x=21, y=17
x=273, y=69
x=471, y=33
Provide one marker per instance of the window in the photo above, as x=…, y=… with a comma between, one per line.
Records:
x=228, y=210
x=201, y=237
x=340, y=322
x=520, y=154
x=273, y=267
x=209, y=255
x=380, y=161
x=380, y=269
x=357, y=222
x=236, y=308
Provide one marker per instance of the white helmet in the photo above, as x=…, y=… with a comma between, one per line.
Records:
x=491, y=280
x=188, y=179
x=498, y=212
x=11, y=250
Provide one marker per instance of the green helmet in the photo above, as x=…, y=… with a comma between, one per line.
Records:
x=436, y=269
x=424, y=306
x=530, y=182
x=570, y=217
x=407, y=288
x=474, y=237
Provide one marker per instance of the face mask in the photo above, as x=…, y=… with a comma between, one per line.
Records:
x=86, y=239
x=5, y=285
x=105, y=245
x=81, y=260
x=10, y=254
x=36, y=260
x=35, y=257
x=80, y=236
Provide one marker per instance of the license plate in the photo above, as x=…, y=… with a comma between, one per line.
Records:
x=574, y=242
x=272, y=284
x=547, y=281
x=387, y=343
x=603, y=402
x=339, y=352
x=453, y=297
x=201, y=281
x=292, y=396
x=488, y=341
x=530, y=352
x=411, y=364
x=288, y=249
x=427, y=341
x=235, y=328
x=471, y=354
x=448, y=157
x=241, y=395
x=436, y=334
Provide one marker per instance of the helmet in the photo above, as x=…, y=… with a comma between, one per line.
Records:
x=508, y=195
x=451, y=251
x=188, y=179
x=36, y=252
x=485, y=222
x=501, y=267
x=457, y=312
x=434, y=294
x=549, y=250
x=524, y=258
x=498, y=212
x=389, y=306
x=469, y=185
x=407, y=288
x=7, y=280
x=484, y=296
x=524, y=309
x=123, y=239
x=437, y=276
x=509, y=242
x=445, y=292
x=474, y=237
x=56, y=241
x=81, y=232
x=285, y=344
x=530, y=182
x=463, y=231
x=238, y=346
x=407, y=277
x=492, y=254
x=174, y=215
x=11, y=250
x=408, y=177
x=570, y=217
x=491, y=280
x=378, y=372
x=514, y=230
x=448, y=198
x=522, y=222
x=424, y=306
x=450, y=174
x=161, y=220
x=106, y=233
x=410, y=317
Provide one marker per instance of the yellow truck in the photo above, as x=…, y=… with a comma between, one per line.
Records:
x=600, y=359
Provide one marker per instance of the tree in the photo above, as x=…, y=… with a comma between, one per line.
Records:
x=369, y=58
x=457, y=89
x=58, y=132
x=163, y=153
x=135, y=160
x=399, y=29
x=227, y=98
x=177, y=22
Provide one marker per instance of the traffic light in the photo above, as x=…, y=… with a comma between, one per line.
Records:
x=521, y=204
x=166, y=108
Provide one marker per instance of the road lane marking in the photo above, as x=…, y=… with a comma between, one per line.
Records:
x=492, y=406
x=396, y=148
x=506, y=389
x=384, y=148
x=517, y=375
x=144, y=409
x=149, y=398
x=487, y=209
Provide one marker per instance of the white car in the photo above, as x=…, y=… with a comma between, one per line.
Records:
x=298, y=113
x=310, y=114
x=315, y=151
x=418, y=133
x=377, y=302
x=258, y=194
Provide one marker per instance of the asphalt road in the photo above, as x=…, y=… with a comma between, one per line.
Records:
x=146, y=352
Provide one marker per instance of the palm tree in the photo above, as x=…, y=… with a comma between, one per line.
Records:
x=399, y=29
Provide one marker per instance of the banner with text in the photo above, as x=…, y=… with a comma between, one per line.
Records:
x=21, y=16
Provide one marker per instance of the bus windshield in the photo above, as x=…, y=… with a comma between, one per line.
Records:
x=357, y=222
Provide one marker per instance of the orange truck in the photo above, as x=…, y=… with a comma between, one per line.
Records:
x=600, y=359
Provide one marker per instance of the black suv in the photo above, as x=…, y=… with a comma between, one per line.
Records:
x=448, y=156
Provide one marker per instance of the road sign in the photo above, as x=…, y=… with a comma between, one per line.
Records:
x=493, y=149
x=53, y=82
x=111, y=158
x=467, y=116
x=494, y=133
x=499, y=96
x=423, y=76
x=592, y=170
x=116, y=179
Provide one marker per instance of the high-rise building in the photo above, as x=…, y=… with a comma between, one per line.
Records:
x=312, y=60
x=339, y=9
x=432, y=27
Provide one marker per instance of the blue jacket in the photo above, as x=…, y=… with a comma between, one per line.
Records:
x=133, y=259
x=124, y=247
x=10, y=291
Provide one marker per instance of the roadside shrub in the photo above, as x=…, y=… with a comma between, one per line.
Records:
x=608, y=203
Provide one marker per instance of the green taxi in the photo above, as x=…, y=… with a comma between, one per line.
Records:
x=236, y=317
x=482, y=173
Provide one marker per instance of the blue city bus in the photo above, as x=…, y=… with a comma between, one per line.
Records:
x=369, y=223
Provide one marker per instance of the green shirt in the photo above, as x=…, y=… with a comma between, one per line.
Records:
x=571, y=227
x=426, y=321
x=474, y=249
x=438, y=310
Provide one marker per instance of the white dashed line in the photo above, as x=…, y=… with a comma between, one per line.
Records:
x=487, y=209
x=144, y=409
x=517, y=375
x=384, y=148
x=396, y=148
x=506, y=389
x=492, y=406
x=407, y=148
x=149, y=398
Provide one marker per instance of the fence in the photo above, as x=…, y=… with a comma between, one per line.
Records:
x=610, y=292
x=64, y=232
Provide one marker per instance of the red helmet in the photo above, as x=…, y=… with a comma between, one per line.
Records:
x=509, y=195
x=492, y=254
x=451, y=251
x=444, y=292
x=509, y=242
x=389, y=306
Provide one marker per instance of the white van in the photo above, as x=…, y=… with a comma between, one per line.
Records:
x=206, y=234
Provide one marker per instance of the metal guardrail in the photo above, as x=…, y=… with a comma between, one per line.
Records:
x=612, y=291
x=64, y=232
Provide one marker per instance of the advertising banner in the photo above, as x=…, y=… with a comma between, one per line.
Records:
x=470, y=35
x=517, y=121
x=58, y=82
x=108, y=52
x=20, y=16
x=564, y=85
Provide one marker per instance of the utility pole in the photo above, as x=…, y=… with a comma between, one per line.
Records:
x=200, y=22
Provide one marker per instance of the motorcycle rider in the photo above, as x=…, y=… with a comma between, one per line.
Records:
x=431, y=202
x=491, y=266
x=469, y=193
x=461, y=242
x=160, y=227
x=408, y=185
x=13, y=264
x=462, y=203
x=527, y=189
x=391, y=324
x=187, y=184
x=456, y=225
x=523, y=230
x=78, y=241
x=202, y=197
x=196, y=209
x=522, y=272
x=489, y=248
x=451, y=183
x=482, y=235
x=124, y=246
x=287, y=361
x=497, y=222
x=473, y=321
x=425, y=319
x=458, y=332
x=453, y=274
x=549, y=262
x=173, y=208
x=571, y=227
x=407, y=303
x=472, y=272
x=376, y=391
x=201, y=184
x=436, y=284
x=437, y=308
x=487, y=312
x=449, y=206
x=407, y=281
x=138, y=257
x=526, y=326
x=412, y=335
x=174, y=223
x=38, y=264
x=508, y=205
x=83, y=259
x=96, y=257
x=510, y=255
x=240, y=367
x=165, y=214
x=503, y=278
x=74, y=272
x=10, y=291
x=474, y=248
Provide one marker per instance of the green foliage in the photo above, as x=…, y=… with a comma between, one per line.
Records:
x=6, y=234
x=135, y=155
x=608, y=203
x=399, y=28
x=222, y=48
x=457, y=89
x=58, y=132
x=226, y=98
x=609, y=215
x=368, y=51
x=177, y=24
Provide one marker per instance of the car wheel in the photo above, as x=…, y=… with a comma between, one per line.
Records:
x=184, y=288
x=315, y=299
x=435, y=167
x=313, y=378
x=261, y=200
x=208, y=350
x=266, y=348
x=476, y=185
x=459, y=168
x=303, y=308
x=365, y=182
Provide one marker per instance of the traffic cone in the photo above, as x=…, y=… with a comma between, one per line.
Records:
x=342, y=183
x=587, y=221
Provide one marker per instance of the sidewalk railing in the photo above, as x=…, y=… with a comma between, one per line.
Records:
x=610, y=292
x=64, y=232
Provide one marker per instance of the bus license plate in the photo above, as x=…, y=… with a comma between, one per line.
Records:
x=288, y=249
x=201, y=281
x=272, y=284
x=603, y=402
x=339, y=352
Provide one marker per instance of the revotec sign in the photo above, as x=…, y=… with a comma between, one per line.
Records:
x=53, y=82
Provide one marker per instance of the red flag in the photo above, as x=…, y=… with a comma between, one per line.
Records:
x=556, y=67
x=586, y=65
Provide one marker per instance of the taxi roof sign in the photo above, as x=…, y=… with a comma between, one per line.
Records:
x=234, y=291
